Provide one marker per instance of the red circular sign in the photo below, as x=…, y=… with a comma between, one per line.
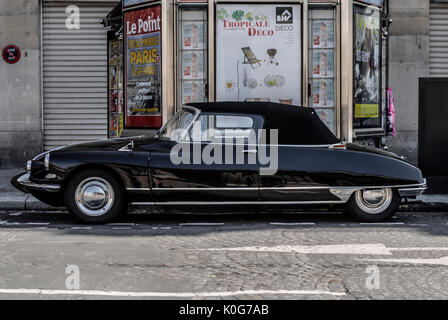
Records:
x=11, y=54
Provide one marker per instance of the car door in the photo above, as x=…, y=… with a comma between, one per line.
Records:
x=213, y=162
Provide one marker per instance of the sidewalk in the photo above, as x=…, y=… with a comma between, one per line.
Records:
x=12, y=199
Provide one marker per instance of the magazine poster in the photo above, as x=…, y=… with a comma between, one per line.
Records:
x=143, y=68
x=327, y=117
x=193, y=35
x=367, y=68
x=323, y=93
x=323, y=63
x=193, y=65
x=323, y=33
x=258, y=52
x=193, y=91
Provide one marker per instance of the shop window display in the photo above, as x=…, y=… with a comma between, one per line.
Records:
x=116, y=119
x=367, y=55
x=322, y=62
x=192, y=55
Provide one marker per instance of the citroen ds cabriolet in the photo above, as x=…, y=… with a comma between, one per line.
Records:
x=224, y=153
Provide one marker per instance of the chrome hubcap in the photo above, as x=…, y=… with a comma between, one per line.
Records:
x=374, y=201
x=94, y=196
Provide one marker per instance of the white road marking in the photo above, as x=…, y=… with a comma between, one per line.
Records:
x=161, y=228
x=81, y=228
x=440, y=261
x=37, y=223
x=381, y=223
x=350, y=249
x=292, y=223
x=169, y=294
x=124, y=224
x=420, y=249
x=204, y=224
x=15, y=214
x=122, y=228
x=354, y=249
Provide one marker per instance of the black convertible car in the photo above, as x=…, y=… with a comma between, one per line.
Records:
x=224, y=153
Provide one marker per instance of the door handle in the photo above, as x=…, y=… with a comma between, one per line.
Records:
x=250, y=151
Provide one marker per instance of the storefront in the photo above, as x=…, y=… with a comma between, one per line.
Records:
x=329, y=55
x=74, y=71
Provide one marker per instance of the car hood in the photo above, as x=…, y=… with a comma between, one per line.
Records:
x=112, y=144
x=360, y=148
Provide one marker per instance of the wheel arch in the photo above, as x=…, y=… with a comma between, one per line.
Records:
x=93, y=166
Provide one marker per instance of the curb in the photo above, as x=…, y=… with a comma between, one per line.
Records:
x=425, y=207
x=25, y=202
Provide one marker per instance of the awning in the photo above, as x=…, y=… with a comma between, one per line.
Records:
x=114, y=18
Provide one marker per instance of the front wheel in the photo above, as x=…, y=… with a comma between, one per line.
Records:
x=95, y=196
x=374, y=205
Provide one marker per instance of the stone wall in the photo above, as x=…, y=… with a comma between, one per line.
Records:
x=409, y=61
x=20, y=123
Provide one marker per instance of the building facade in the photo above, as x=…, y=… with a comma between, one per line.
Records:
x=78, y=84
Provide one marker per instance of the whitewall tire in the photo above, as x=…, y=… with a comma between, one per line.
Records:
x=374, y=205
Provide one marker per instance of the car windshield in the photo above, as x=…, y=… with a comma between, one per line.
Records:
x=176, y=127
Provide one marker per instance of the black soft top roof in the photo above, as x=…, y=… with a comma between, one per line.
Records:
x=296, y=125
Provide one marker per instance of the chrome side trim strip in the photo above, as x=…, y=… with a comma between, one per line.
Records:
x=331, y=188
x=205, y=203
x=411, y=192
x=251, y=145
x=228, y=189
x=239, y=189
x=138, y=189
x=25, y=181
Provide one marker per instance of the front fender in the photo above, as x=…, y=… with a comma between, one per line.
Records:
x=131, y=167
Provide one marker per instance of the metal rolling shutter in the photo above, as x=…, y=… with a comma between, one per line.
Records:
x=438, y=40
x=74, y=75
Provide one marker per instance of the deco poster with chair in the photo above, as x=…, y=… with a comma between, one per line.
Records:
x=258, y=52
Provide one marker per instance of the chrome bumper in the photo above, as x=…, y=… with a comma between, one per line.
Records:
x=24, y=181
x=412, y=191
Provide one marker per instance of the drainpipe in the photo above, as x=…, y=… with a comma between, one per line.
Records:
x=41, y=70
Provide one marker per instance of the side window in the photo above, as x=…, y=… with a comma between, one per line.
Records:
x=175, y=128
x=234, y=122
x=221, y=127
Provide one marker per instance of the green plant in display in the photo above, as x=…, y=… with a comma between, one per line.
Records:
x=222, y=14
x=249, y=16
x=238, y=15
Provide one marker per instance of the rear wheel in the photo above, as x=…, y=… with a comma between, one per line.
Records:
x=373, y=205
x=95, y=196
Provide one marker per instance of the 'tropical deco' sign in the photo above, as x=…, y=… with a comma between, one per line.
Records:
x=258, y=53
x=143, y=68
x=11, y=54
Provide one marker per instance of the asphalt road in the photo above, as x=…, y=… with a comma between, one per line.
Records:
x=239, y=256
